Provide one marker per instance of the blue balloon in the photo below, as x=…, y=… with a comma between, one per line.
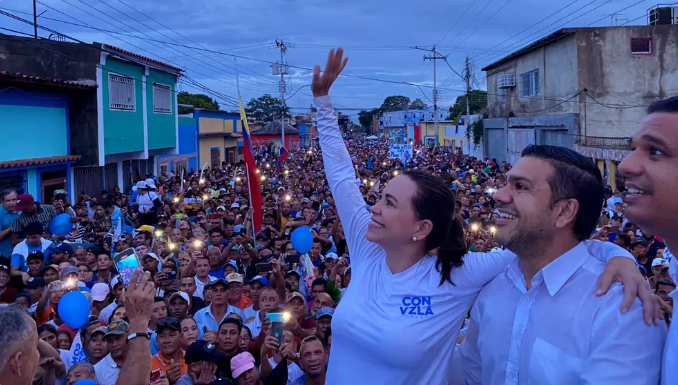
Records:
x=74, y=309
x=61, y=225
x=302, y=239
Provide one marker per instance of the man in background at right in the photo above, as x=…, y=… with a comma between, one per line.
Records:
x=651, y=180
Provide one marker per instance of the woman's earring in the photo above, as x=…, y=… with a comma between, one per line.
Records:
x=414, y=239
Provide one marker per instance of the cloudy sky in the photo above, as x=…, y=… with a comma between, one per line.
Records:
x=205, y=36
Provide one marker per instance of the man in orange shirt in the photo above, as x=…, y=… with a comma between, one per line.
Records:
x=235, y=298
x=170, y=359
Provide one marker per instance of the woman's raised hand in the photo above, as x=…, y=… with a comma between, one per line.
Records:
x=320, y=86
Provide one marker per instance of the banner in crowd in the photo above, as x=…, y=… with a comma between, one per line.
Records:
x=400, y=151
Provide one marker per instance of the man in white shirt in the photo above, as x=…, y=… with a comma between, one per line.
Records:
x=540, y=322
x=651, y=177
x=108, y=369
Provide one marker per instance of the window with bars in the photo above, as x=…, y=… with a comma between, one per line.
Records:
x=180, y=165
x=121, y=93
x=162, y=98
x=529, y=84
x=642, y=46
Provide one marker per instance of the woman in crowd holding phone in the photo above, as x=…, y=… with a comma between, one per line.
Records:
x=412, y=281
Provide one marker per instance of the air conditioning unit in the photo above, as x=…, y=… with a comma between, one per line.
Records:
x=663, y=15
x=506, y=80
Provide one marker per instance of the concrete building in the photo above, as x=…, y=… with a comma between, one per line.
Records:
x=35, y=116
x=582, y=88
x=186, y=158
x=306, y=133
x=118, y=127
x=272, y=132
x=219, y=137
x=406, y=125
x=453, y=135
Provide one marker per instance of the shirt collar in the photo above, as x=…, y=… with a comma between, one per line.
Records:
x=111, y=361
x=558, y=272
x=555, y=274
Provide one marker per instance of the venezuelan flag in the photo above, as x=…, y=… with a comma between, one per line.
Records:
x=252, y=177
x=283, y=156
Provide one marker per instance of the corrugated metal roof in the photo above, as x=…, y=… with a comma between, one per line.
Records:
x=38, y=161
x=274, y=128
x=126, y=52
x=52, y=81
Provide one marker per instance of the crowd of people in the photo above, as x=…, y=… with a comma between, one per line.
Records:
x=412, y=276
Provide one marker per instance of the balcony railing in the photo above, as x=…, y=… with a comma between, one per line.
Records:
x=603, y=142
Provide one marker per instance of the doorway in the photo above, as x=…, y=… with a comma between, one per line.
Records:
x=52, y=183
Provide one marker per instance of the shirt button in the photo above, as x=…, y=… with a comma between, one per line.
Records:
x=527, y=299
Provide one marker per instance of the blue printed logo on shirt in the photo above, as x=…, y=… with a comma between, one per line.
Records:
x=416, y=306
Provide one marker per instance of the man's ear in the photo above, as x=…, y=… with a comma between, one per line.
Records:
x=14, y=363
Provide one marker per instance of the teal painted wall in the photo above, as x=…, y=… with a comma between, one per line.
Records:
x=38, y=118
x=162, y=132
x=123, y=130
x=45, y=128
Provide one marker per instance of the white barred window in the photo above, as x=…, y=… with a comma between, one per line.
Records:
x=162, y=99
x=121, y=93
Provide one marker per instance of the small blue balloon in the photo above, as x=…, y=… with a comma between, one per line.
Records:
x=302, y=239
x=61, y=225
x=74, y=309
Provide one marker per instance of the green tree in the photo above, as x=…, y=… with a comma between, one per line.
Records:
x=266, y=108
x=395, y=103
x=197, y=101
x=417, y=104
x=477, y=102
x=365, y=117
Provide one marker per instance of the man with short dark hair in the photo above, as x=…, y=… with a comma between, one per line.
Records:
x=541, y=315
x=33, y=242
x=651, y=178
x=170, y=359
x=312, y=360
x=227, y=340
x=664, y=288
x=8, y=214
x=108, y=369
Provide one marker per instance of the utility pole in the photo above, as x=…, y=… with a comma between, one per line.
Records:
x=35, y=19
x=283, y=70
x=436, y=56
x=467, y=78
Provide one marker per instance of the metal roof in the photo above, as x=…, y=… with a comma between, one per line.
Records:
x=51, y=81
x=274, y=128
x=126, y=52
x=38, y=161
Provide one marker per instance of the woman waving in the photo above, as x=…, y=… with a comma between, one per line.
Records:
x=399, y=321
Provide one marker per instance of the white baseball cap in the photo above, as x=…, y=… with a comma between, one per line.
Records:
x=660, y=262
x=181, y=294
x=234, y=277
